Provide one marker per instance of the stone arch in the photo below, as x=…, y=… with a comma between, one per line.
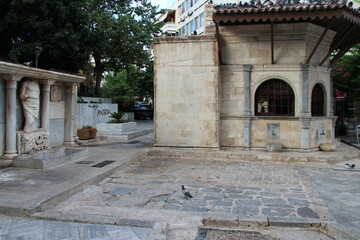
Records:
x=318, y=100
x=274, y=97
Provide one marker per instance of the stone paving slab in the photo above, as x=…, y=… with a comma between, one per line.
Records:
x=23, y=191
x=150, y=189
x=29, y=229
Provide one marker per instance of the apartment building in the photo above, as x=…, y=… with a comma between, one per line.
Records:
x=189, y=16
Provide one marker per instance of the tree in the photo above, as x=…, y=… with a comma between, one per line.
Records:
x=347, y=74
x=120, y=33
x=57, y=26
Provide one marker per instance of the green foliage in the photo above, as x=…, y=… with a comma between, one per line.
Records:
x=57, y=26
x=131, y=82
x=116, y=84
x=125, y=103
x=117, y=117
x=120, y=34
x=347, y=74
x=116, y=33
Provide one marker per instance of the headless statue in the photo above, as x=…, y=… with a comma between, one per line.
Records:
x=29, y=96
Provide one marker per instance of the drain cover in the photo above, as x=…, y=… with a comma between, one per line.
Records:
x=102, y=164
x=84, y=162
x=212, y=234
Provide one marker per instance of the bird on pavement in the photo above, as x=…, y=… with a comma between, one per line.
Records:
x=186, y=192
x=350, y=165
x=28, y=64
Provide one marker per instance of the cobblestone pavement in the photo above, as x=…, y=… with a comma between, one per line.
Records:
x=29, y=229
x=245, y=189
x=151, y=189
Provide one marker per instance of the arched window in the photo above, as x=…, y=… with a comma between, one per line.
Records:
x=317, y=101
x=274, y=98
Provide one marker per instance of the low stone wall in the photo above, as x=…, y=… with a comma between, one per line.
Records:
x=92, y=114
x=95, y=99
x=114, y=128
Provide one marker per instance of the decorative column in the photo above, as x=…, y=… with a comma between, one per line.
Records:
x=10, y=141
x=305, y=113
x=247, y=101
x=45, y=103
x=330, y=94
x=69, y=113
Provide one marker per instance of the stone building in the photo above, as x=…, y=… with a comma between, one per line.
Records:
x=37, y=109
x=259, y=77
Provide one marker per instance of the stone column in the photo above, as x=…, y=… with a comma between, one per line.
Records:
x=10, y=141
x=305, y=113
x=305, y=90
x=330, y=94
x=247, y=102
x=247, y=90
x=45, y=104
x=69, y=113
x=305, y=134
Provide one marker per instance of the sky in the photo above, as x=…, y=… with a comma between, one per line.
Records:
x=163, y=3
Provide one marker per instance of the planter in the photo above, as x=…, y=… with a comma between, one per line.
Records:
x=86, y=133
x=116, y=128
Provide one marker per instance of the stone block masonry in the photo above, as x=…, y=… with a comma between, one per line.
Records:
x=186, y=92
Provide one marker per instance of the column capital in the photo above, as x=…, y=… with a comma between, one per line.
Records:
x=46, y=85
x=305, y=67
x=11, y=77
x=11, y=80
x=70, y=88
x=247, y=67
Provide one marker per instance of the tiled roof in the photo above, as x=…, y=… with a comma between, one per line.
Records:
x=338, y=16
x=283, y=6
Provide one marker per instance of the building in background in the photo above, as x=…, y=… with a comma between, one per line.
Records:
x=187, y=17
x=169, y=19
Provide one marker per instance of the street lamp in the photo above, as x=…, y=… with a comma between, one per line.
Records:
x=37, y=53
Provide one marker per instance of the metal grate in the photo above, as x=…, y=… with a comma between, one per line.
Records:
x=84, y=162
x=274, y=98
x=102, y=164
x=317, y=101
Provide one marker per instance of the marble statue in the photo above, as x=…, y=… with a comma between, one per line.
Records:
x=29, y=96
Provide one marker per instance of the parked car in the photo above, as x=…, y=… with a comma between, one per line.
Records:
x=143, y=111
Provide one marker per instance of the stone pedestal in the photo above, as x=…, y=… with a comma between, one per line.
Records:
x=32, y=141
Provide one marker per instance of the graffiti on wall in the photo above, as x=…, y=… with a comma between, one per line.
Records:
x=103, y=112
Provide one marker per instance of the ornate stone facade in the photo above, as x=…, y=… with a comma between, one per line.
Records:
x=214, y=91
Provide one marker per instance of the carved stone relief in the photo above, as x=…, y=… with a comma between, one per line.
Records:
x=55, y=93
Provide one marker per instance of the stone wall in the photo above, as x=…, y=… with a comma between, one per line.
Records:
x=292, y=43
x=243, y=46
x=92, y=113
x=186, y=92
x=95, y=99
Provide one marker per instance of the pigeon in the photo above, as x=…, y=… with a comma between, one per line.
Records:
x=350, y=165
x=28, y=64
x=186, y=192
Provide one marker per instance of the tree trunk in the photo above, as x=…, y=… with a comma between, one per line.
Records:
x=99, y=70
